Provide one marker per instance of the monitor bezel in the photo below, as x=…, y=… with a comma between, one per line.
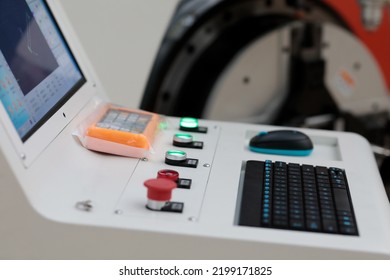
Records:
x=65, y=110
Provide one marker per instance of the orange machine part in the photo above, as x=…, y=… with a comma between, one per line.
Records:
x=377, y=41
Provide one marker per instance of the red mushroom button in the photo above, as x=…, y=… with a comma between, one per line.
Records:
x=160, y=189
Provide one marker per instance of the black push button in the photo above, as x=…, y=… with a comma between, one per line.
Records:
x=179, y=158
x=330, y=226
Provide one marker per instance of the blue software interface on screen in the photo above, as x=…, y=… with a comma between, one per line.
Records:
x=37, y=70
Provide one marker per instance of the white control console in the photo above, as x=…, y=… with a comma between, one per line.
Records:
x=103, y=201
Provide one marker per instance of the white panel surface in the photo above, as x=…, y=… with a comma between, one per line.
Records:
x=121, y=38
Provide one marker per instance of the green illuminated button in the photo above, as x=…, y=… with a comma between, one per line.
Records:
x=189, y=123
x=185, y=140
x=179, y=158
x=176, y=155
x=182, y=138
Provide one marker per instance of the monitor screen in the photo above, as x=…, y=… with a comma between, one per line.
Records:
x=38, y=72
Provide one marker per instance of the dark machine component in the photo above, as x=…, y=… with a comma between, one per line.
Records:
x=308, y=95
x=203, y=38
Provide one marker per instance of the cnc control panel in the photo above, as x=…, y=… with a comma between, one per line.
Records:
x=203, y=181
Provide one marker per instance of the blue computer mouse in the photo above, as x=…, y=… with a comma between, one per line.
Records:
x=282, y=142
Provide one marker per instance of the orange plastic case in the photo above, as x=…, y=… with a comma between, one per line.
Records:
x=121, y=131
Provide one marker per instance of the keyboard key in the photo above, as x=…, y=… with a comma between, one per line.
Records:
x=328, y=217
x=348, y=230
x=296, y=216
x=341, y=200
x=330, y=225
x=280, y=223
x=307, y=168
x=313, y=225
x=313, y=216
x=322, y=170
x=297, y=224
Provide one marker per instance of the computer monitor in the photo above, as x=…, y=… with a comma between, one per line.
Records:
x=38, y=72
x=42, y=86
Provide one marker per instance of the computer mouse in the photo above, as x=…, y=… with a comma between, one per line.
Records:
x=282, y=142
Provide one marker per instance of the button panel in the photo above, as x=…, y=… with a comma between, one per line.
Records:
x=178, y=164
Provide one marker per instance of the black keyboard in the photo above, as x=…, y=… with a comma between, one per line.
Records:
x=296, y=197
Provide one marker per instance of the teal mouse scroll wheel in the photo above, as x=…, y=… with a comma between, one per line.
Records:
x=263, y=133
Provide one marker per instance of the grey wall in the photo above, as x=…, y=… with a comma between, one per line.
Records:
x=121, y=38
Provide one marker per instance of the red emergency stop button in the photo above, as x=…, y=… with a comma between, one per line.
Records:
x=160, y=189
x=159, y=196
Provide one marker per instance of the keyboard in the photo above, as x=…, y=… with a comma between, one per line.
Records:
x=124, y=121
x=296, y=197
